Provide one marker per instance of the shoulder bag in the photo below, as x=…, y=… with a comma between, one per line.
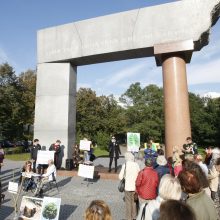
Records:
x=121, y=186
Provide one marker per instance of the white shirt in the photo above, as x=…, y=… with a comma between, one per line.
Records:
x=132, y=170
x=204, y=168
x=50, y=170
x=152, y=210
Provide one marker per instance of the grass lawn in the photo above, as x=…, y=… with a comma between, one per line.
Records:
x=18, y=157
x=98, y=152
x=26, y=156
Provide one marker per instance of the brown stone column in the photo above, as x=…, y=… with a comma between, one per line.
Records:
x=176, y=103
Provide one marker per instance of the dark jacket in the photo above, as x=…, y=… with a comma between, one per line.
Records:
x=114, y=149
x=162, y=170
x=56, y=148
x=34, y=150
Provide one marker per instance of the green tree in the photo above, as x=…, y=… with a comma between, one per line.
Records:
x=144, y=111
x=27, y=82
x=10, y=103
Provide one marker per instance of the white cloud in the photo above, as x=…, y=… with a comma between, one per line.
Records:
x=3, y=56
x=125, y=74
x=208, y=72
x=208, y=52
x=83, y=85
x=212, y=94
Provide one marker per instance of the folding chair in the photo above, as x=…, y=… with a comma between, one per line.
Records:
x=54, y=181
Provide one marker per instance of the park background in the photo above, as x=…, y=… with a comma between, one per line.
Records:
x=112, y=98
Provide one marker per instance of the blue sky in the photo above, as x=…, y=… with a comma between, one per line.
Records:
x=20, y=20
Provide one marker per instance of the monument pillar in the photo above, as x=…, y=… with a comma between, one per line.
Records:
x=55, y=106
x=176, y=102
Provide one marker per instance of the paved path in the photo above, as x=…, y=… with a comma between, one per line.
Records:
x=74, y=192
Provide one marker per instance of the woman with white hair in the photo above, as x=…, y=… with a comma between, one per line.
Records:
x=50, y=175
x=130, y=170
x=169, y=188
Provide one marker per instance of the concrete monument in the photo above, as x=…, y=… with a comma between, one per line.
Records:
x=170, y=32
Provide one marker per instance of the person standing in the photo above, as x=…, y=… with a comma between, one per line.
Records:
x=114, y=152
x=57, y=148
x=34, y=149
x=2, y=156
x=130, y=170
x=190, y=147
x=147, y=183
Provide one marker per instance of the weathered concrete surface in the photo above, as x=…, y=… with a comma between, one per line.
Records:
x=130, y=34
x=55, y=108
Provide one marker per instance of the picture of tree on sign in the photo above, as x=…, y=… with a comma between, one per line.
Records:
x=51, y=208
x=133, y=142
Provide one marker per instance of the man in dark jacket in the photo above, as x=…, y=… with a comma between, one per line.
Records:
x=114, y=152
x=57, y=155
x=34, y=149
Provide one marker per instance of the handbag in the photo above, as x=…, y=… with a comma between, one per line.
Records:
x=121, y=186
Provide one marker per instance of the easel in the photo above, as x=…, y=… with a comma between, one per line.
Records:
x=87, y=182
x=15, y=196
x=86, y=173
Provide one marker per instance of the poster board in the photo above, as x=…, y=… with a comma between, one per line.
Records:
x=37, y=208
x=133, y=142
x=13, y=187
x=84, y=145
x=86, y=171
x=50, y=203
x=44, y=155
x=30, y=208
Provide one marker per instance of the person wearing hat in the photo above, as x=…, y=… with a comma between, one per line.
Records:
x=162, y=167
x=114, y=152
x=147, y=183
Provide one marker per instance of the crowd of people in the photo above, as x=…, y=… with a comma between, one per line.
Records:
x=183, y=186
x=183, y=181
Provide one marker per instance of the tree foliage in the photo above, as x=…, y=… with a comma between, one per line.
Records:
x=99, y=117
x=144, y=111
x=17, y=99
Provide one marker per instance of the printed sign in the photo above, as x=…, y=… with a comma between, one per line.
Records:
x=84, y=145
x=30, y=208
x=86, y=171
x=50, y=208
x=44, y=155
x=13, y=187
x=133, y=142
x=34, y=208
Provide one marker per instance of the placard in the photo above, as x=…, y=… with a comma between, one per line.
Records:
x=13, y=187
x=39, y=209
x=133, y=142
x=86, y=171
x=30, y=208
x=84, y=145
x=44, y=155
x=50, y=208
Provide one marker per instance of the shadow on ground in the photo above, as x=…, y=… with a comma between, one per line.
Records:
x=7, y=211
x=67, y=210
x=64, y=181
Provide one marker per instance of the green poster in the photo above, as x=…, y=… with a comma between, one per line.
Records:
x=133, y=141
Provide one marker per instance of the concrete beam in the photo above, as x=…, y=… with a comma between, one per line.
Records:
x=130, y=34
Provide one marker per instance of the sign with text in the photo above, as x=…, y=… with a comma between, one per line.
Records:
x=84, y=145
x=133, y=142
x=44, y=155
x=86, y=171
x=13, y=187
